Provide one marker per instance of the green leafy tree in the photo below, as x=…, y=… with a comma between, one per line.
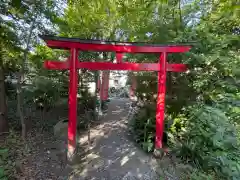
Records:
x=29, y=18
x=9, y=55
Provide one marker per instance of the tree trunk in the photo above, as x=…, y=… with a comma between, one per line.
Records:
x=173, y=16
x=20, y=81
x=180, y=14
x=20, y=106
x=3, y=108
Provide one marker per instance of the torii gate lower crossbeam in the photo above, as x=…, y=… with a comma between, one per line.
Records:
x=72, y=64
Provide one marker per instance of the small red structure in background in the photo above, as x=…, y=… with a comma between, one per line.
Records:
x=104, y=85
x=75, y=45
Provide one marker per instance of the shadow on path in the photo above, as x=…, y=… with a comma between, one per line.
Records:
x=112, y=155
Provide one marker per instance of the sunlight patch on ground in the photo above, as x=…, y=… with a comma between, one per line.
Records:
x=94, y=133
x=117, y=111
x=124, y=160
x=112, y=155
x=92, y=156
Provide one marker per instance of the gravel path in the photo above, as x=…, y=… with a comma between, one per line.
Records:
x=112, y=155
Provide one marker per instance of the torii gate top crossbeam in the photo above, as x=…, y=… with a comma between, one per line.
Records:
x=115, y=46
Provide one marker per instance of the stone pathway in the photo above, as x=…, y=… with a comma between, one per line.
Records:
x=112, y=155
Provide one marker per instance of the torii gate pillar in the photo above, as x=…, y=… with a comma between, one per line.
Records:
x=72, y=102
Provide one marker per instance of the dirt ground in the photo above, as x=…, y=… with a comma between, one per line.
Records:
x=111, y=155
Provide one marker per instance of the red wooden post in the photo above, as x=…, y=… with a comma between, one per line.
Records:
x=119, y=57
x=161, y=100
x=72, y=103
x=105, y=85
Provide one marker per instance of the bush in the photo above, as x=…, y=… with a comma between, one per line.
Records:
x=209, y=141
x=3, y=157
x=230, y=104
x=10, y=89
x=43, y=92
x=196, y=174
x=143, y=127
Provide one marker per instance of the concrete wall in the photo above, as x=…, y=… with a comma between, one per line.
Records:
x=121, y=77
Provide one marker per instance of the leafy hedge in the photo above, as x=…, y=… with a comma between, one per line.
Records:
x=143, y=127
x=202, y=136
x=43, y=92
x=210, y=141
x=3, y=157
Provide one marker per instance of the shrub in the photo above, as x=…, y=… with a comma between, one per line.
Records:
x=197, y=174
x=210, y=141
x=10, y=89
x=143, y=127
x=3, y=157
x=43, y=92
x=230, y=104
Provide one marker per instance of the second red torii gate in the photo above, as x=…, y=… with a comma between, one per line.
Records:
x=73, y=63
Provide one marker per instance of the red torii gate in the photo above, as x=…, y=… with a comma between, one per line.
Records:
x=74, y=45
